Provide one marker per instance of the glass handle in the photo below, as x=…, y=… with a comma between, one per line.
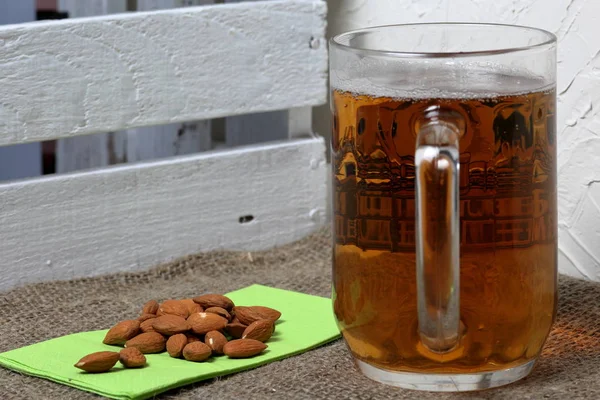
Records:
x=437, y=240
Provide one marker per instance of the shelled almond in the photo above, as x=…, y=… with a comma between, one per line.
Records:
x=170, y=325
x=235, y=328
x=175, y=345
x=148, y=342
x=196, y=352
x=191, y=329
x=131, y=357
x=243, y=348
x=216, y=341
x=101, y=361
x=122, y=332
x=202, y=323
x=260, y=330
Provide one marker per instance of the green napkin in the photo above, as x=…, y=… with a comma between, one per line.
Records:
x=306, y=322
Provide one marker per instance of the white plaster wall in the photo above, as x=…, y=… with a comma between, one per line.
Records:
x=577, y=25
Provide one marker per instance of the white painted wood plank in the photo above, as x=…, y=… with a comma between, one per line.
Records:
x=132, y=70
x=171, y=139
x=73, y=154
x=168, y=140
x=265, y=127
x=194, y=137
x=78, y=153
x=22, y=161
x=87, y=8
x=129, y=217
x=148, y=5
x=300, y=122
x=256, y=128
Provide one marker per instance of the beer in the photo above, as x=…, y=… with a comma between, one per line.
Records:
x=508, y=229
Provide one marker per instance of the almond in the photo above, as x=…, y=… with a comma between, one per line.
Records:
x=192, y=338
x=101, y=361
x=196, y=351
x=214, y=300
x=219, y=311
x=203, y=322
x=170, y=324
x=192, y=306
x=146, y=326
x=268, y=312
x=243, y=348
x=149, y=342
x=248, y=315
x=151, y=307
x=215, y=340
x=175, y=345
x=131, y=357
x=235, y=328
x=122, y=332
x=174, y=307
x=146, y=317
x=260, y=330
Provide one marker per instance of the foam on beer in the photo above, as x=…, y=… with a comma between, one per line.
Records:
x=420, y=81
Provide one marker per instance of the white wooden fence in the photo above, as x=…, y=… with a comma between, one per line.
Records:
x=136, y=144
x=75, y=77
x=23, y=160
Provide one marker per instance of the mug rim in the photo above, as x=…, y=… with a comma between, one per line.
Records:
x=336, y=41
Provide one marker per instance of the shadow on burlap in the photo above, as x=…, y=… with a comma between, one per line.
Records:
x=570, y=367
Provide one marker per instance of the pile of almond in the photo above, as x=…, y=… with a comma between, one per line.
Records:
x=193, y=329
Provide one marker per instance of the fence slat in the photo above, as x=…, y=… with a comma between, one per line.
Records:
x=300, y=122
x=171, y=139
x=78, y=8
x=25, y=160
x=77, y=153
x=255, y=128
x=129, y=217
x=130, y=70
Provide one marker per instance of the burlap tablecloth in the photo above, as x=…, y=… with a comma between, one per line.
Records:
x=569, y=369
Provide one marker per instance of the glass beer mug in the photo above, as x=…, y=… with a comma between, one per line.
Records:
x=444, y=199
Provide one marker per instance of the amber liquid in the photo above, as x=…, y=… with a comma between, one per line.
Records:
x=508, y=230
